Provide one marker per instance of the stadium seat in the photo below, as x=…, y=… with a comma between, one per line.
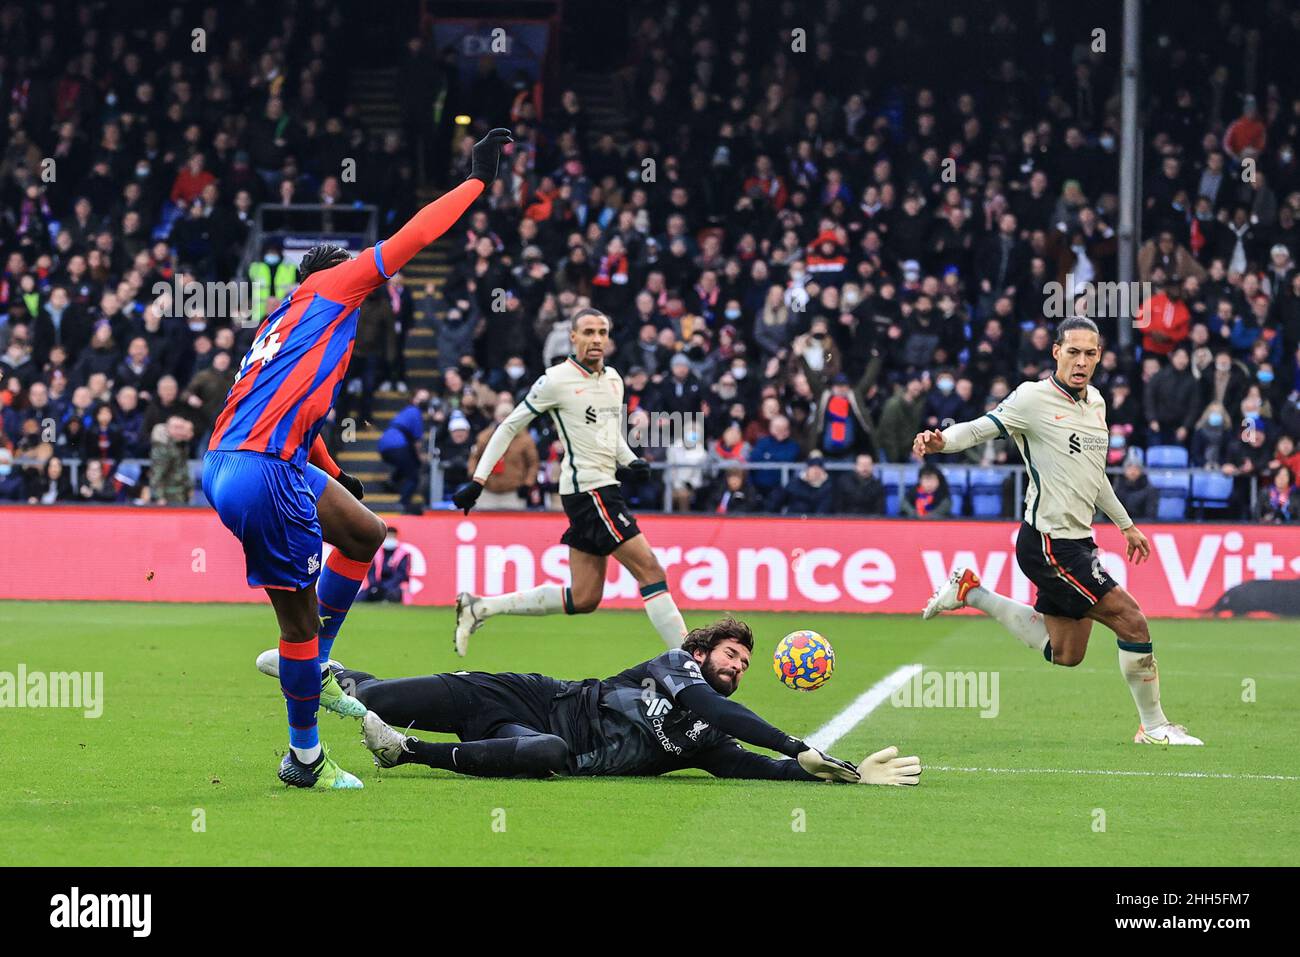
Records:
x=1173, y=486
x=956, y=475
x=985, y=492
x=896, y=478
x=1167, y=457
x=1211, y=489
x=889, y=478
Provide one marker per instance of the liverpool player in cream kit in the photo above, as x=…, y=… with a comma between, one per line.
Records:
x=585, y=398
x=1059, y=425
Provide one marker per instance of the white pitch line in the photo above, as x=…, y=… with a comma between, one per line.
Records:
x=1125, y=774
x=824, y=738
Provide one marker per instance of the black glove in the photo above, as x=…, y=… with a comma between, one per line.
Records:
x=465, y=496
x=487, y=152
x=352, y=484
x=635, y=472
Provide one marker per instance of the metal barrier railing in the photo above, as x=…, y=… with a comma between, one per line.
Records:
x=709, y=470
x=712, y=468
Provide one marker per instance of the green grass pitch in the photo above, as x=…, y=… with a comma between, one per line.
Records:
x=192, y=733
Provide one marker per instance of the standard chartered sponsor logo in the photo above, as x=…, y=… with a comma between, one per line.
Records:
x=657, y=725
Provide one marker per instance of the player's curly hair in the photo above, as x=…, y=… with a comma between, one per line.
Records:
x=321, y=257
x=707, y=638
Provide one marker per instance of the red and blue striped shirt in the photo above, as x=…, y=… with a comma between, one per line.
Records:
x=289, y=380
x=291, y=376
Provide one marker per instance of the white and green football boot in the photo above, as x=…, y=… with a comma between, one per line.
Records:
x=332, y=696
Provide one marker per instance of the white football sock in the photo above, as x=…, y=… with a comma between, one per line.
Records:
x=1016, y=617
x=663, y=614
x=1143, y=677
x=307, y=756
x=542, y=600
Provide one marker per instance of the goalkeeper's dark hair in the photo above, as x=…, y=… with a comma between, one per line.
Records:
x=1075, y=322
x=321, y=257
x=583, y=313
x=707, y=638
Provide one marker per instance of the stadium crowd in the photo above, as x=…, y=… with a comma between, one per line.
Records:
x=813, y=254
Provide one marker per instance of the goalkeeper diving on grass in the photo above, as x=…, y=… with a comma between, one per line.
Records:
x=666, y=714
x=273, y=483
x=1059, y=425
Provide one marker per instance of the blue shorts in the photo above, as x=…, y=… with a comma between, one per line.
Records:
x=270, y=506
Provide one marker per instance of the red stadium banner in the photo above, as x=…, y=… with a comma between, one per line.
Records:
x=786, y=564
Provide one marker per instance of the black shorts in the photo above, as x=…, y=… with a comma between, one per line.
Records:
x=599, y=520
x=1067, y=572
x=486, y=703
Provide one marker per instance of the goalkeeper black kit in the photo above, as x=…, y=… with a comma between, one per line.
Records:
x=656, y=717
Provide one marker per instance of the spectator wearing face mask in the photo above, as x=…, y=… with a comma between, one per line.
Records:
x=512, y=379
x=721, y=397
x=512, y=483
x=1210, y=439
x=272, y=277
x=12, y=481
x=389, y=577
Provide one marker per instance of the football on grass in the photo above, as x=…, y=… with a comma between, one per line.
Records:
x=804, y=660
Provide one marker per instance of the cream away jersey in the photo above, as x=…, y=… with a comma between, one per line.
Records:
x=587, y=408
x=1063, y=439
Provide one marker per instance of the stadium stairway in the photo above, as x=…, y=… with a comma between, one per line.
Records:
x=361, y=456
x=601, y=100
x=374, y=93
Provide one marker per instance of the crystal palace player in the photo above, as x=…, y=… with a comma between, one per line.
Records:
x=585, y=398
x=1059, y=425
x=274, y=485
x=662, y=715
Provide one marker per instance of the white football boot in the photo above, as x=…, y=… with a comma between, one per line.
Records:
x=952, y=593
x=268, y=662
x=332, y=696
x=383, y=741
x=1168, y=733
x=467, y=621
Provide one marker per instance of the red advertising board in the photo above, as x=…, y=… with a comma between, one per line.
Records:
x=787, y=564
